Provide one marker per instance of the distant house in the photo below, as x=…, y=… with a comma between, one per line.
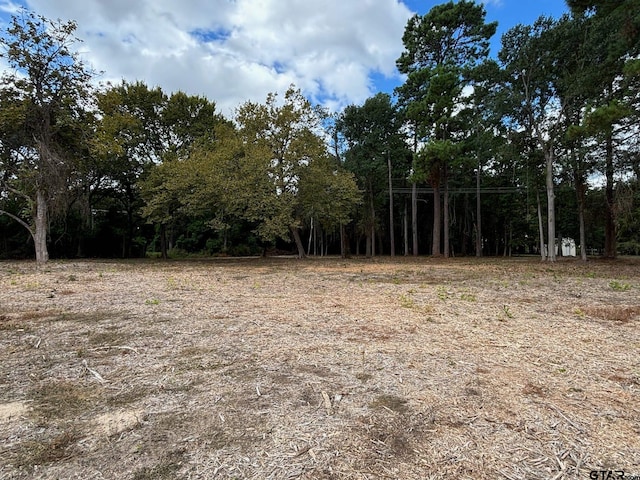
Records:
x=568, y=247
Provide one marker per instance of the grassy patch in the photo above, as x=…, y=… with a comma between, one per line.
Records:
x=619, y=286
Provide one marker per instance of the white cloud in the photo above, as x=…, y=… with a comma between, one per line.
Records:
x=238, y=50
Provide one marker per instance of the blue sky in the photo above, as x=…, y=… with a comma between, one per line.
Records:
x=507, y=13
x=338, y=52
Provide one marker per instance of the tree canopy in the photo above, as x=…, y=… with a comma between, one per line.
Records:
x=541, y=137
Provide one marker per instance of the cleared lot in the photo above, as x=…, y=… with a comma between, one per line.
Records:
x=322, y=368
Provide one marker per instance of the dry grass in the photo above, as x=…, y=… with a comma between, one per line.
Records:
x=333, y=369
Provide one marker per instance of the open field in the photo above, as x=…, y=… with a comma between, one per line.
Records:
x=321, y=368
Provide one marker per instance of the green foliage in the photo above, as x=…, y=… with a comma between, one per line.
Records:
x=619, y=286
x=43, y=97
x=273, y=171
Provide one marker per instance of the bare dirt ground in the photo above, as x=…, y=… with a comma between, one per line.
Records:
x=321, y=368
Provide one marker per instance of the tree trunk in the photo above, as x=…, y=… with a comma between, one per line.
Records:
x=405, y=229
x=437, y=221
x=391, y=225
x=163, y=241
x=540, y=228
x=560, y=252
x=551, y=216
x=343, y=249
x=372, y=233
x=310, y=237
x=414, y=217
x=445, y=208
x=41, y=224
x=296, y=236
x=478, y=216
x=580, y=187
x=610, y=220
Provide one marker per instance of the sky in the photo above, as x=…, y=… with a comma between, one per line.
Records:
x=338, y=52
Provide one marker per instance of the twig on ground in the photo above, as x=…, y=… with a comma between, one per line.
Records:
x=93, y=372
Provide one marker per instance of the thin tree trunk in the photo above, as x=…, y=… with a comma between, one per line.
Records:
x=310, y=237
x=391, y=225
x=610, y=223
x=40, y=233
x=540, y=227
x=373, y=222
x=445, y=208
x=437, y=221
x=580, y=198
x=163, y=241
x=551, y=216
x=405, y=228
x=478, y=216
x=414, y=217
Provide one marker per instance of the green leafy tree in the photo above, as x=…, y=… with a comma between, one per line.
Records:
x=329, y=195
x=280, y=140
x=129, y=137
x=535, y=104
x=376, y=149
x=441, y=50
x=43, y=93
x=208, y=184
x=612, y=46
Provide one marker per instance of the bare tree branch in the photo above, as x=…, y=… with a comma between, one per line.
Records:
x=17, y=219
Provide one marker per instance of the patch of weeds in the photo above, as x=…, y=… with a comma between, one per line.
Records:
x=442, y=293
x=578, y=311
x=152, y=301
x=619, y=287
x=406, y=301
x=507, y=311
x=72, y=278
x=390, y=402
x=468, y=297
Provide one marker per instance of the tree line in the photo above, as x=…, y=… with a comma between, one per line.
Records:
x=471, y=155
